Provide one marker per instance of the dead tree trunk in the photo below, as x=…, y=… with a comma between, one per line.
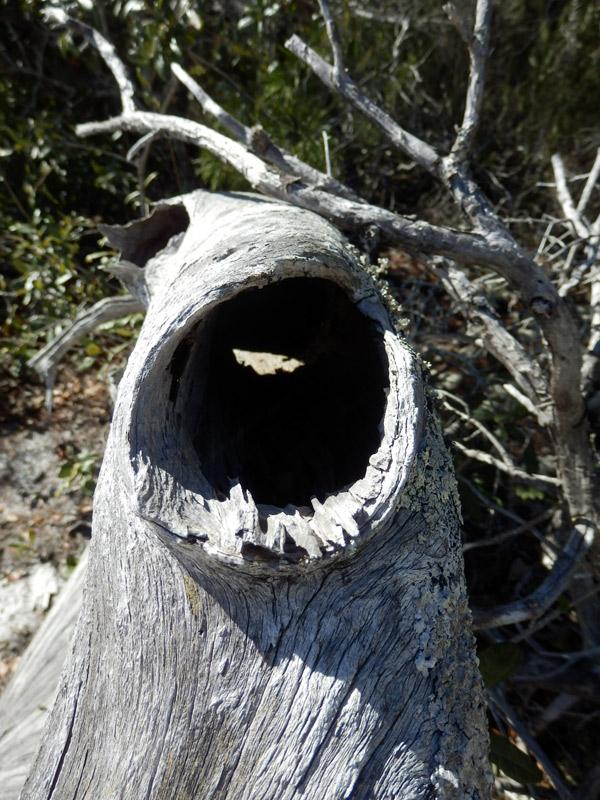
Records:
x=275, y=604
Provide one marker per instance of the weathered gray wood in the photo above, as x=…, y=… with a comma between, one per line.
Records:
x=25, y=702
x=275, y=603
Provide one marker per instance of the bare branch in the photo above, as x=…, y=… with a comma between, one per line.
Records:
x=550, y=589
x=493, y=247
x=475, y=423
x=537, y=291
x=57, y=18
x=326, y=152
x=334, y=38
x=556, y=322
x=505, y=512
x=555, y=319
x=269, y=152
x=537, y=664
x=589, y=185
x=503, y=466
x=142, y=161
x=499, y=538
x=565, y=199
x=501, y=253
x=508, y=713
x=459, y=22
x=44, y=362
x=478, y=51
x=449, y=170
x=591, y=359
x=415, y=148
x=483, y=323
x=520, y=398
x=141, y=143
x=591, y=235
x=208, y=105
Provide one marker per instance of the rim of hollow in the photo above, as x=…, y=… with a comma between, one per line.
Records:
x=174, y=489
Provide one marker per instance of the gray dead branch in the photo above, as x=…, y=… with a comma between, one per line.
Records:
x=488, y=245
x=105, y=310
x=25, y=702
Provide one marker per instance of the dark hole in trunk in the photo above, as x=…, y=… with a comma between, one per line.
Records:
x=293, y=394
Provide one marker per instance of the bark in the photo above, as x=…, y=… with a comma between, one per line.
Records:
x=275, y=603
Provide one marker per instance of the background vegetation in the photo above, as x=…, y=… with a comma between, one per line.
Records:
x=542, y=90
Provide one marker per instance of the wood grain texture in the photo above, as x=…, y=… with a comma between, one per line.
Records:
x=233, y=647
x=25, y=702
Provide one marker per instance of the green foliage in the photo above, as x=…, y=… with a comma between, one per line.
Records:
x=513, y=762
x=499, y=662
x=41, y=282
x=47, y=233
x=78, y=471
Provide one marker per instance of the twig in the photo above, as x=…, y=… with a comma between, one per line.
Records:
x=565, y=199
x=568, y=658
x=414, y=147
x=505, y=512
x=271, y=153
x=104, y=310
x=589, y=185
x=450, y=171
x=57, y=18
x=591, y=234
x=141, y=143
x=492, y=247
x=208, y=105
x=498, y=699
x=575, y=461
x=548, y=591
x=520, y=398
x=508, y=468
x=483, y=323
x=478, y=425
x=537, y=291
x=478, y=51
x=492, y=541
x=326, y=151
x=591, y=359
x=545, y=238
x=145, y=151
x=334, y=38
x=459, y=22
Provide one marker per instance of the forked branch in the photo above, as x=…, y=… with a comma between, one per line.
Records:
x=566, y=409
x=489, y=244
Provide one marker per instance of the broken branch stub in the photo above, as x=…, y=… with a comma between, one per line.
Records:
x=275, y=604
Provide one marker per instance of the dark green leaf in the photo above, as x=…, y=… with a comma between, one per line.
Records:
x=67, y=470
x=513, y=762
x=499, y=662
